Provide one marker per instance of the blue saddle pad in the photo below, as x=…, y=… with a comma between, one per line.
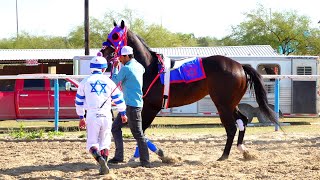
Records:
x=188, y=72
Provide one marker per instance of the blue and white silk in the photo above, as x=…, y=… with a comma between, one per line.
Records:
x=94, y=90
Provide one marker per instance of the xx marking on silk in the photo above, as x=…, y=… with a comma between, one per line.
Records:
x=188, y=72
x=98, y=87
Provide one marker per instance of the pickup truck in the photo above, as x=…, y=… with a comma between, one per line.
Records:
x=30, y=99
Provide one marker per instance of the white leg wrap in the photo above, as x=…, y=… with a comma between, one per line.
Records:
x=240, y=124
x=241, y=148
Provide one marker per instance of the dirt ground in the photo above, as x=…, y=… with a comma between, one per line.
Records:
x=277, y=156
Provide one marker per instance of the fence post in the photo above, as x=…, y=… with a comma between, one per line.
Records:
x=56, y=105
x=276, y=102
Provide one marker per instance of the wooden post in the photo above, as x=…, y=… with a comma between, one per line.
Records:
x=86, y=27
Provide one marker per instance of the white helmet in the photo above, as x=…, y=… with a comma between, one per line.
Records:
x=98, y=63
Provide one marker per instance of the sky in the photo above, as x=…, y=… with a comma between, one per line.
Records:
x=212, y=18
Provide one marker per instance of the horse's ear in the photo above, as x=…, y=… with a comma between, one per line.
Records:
x=114, y=23
x=122, y=24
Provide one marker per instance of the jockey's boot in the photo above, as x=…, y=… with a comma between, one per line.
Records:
x=104, y=169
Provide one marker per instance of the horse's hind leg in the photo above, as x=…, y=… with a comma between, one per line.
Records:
x=228, y=121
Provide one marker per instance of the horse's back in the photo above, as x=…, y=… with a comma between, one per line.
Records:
x=221, y=64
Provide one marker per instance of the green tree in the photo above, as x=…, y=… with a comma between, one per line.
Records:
x=288, y=31
x=98, y=33
x=154, y=35
x=207, y=41
x=27, y=41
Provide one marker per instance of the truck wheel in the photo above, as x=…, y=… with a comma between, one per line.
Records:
x=247, y=110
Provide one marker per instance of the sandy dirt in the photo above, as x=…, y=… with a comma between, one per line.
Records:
x=277, y=156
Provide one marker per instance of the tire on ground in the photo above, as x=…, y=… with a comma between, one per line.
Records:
x=247, y=110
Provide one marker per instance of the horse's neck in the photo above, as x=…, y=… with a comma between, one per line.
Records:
x=142, y=54
x=145, y=57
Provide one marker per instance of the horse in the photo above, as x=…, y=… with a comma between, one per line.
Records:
x=226, y=82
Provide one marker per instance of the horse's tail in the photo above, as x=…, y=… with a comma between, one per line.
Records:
x=255, y=80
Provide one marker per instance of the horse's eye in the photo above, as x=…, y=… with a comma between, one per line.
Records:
x=115, y=36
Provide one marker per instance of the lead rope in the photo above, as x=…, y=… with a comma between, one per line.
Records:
x=109, y=96
x=156, y=78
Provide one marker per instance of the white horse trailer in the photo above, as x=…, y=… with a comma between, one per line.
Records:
x=298, y=98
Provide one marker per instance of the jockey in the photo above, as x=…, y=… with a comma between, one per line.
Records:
x=95, y=94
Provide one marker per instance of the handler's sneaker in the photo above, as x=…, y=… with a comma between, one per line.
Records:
x=146, y=164
x=115, y=161
x=104, y=169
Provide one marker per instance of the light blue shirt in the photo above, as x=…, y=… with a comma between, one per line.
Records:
x=131, y=78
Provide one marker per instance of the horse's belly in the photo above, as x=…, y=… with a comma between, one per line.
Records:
x=187, y=93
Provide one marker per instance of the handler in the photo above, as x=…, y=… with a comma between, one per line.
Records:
x=131, y=78
x=95, y=94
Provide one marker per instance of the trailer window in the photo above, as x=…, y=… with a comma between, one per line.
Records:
x=7, y=84
x=307, y=70
x=269, y=69
x=33, y=84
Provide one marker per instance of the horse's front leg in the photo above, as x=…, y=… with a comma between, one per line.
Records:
x=242, y=124
x=240, y=145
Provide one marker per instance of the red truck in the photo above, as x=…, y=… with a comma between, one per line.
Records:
x=29, y=99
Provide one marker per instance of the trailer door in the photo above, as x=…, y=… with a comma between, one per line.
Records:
x=304, y=91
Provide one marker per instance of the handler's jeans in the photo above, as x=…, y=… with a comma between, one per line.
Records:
x=135, y=124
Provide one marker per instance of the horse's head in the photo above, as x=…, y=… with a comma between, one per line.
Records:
x=115, y=41
x=121, y=36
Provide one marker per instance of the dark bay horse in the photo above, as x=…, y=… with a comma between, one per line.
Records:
x=226, y=82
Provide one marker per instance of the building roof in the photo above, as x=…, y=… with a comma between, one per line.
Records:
x=41, y=54
x=230, y=51
x=68, y=54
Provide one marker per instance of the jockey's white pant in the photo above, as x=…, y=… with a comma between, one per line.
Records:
x=99, y=124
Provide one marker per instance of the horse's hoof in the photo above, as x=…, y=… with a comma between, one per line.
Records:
x=222, y=158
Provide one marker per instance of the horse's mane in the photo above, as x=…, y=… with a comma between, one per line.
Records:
x=145, y=45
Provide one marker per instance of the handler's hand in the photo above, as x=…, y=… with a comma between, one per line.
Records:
x=124, y=119
x=82, y=123
x=116, y=62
